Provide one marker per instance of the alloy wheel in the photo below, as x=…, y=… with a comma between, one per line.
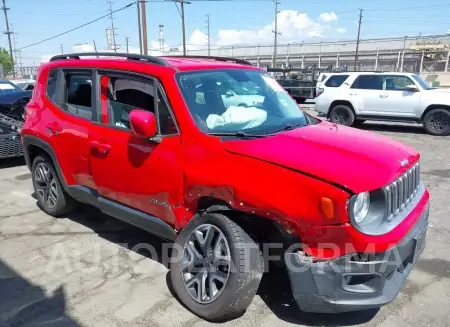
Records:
x=439, y=122
x=206, y=263
x=339, y=117
x=46, y=185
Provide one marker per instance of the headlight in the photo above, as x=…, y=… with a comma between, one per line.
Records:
x=361, y=207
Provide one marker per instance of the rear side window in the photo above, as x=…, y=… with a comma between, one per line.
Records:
x=51, y=84
x=368, y=82
x=336, y=80
x=78, y=94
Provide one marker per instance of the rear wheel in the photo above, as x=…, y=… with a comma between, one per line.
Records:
x=343, y=115
x=437, y=122
x=216, y=268
x=50, y=194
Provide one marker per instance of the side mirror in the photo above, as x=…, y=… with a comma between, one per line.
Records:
x=143, y=123
x=412, y=88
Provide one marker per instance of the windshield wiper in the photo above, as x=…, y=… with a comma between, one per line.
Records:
x=287, y=127
x=237, y=134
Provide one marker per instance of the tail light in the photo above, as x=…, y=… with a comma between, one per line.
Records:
x=319, y=91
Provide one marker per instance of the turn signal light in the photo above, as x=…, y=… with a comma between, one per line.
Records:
x=327, y=207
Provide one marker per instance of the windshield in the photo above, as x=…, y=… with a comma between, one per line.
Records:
x=237, y=100
x=7, y=87
x=421, y=81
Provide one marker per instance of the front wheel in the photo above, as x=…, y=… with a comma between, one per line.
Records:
x=343, y=115
x=437, y=122
x=216, y=267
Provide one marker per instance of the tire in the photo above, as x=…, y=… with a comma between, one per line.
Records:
x=343, y=115
x=437, y=122
x=235, y=294
x=52, y=198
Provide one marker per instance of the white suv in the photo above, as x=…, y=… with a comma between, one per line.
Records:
x=351, y=98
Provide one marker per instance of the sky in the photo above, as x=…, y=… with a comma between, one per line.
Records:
x=233, y=22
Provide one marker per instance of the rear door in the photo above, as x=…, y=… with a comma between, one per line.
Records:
x=366, y=92
x=71, y=102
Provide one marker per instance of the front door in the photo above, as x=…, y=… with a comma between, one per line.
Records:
x=128, y=169
x=395, y=100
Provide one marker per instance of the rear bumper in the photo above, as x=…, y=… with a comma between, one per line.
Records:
x=352, y=284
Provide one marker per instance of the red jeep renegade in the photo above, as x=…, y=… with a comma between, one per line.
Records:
x=213, y=155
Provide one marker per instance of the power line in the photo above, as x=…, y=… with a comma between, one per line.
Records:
x=76, y=28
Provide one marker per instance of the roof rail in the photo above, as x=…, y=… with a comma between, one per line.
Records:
x=129, y=56
x=235, y=60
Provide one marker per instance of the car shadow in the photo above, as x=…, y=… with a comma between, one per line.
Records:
x=407, y=128
x=25, y=304
x=278, y=299
x=12, y=162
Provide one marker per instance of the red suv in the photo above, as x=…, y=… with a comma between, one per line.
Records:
x=213, y=155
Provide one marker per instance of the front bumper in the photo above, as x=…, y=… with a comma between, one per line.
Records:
x=349, y=283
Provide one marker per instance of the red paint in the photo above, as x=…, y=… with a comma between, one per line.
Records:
x=143, y=123
x=282, y=177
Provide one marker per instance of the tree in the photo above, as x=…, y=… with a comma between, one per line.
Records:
x=5, y=60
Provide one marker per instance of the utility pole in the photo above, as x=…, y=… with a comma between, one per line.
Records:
x=161, y=38
x=275, y=41
x=95, y=47
x=8, y=32
x=62, y=49
x=208, y=28
x=184, y=27
x=127, y=41
x=112, y=26
x=139, y=26
x=144, y=27
x=358, y=38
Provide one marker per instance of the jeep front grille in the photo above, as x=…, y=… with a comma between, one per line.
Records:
x=400, y=193
x=10, y=146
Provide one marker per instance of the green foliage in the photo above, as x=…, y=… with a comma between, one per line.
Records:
x=5, y=60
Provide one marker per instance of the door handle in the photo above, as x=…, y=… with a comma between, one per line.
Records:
x=54, y=128
x=101, y=147
x=353, y=94
x=384, y=96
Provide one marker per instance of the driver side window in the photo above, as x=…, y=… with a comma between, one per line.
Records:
x=125, y=94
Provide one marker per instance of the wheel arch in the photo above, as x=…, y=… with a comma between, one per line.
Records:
x=260, y=228
x=432, y=107
x=33, y=146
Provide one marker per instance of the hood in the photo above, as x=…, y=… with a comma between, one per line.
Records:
x=10, y=98
x=354, y=159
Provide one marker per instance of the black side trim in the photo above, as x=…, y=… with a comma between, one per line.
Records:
x=388, y=118
x=28, y=140
x=84, y=194
x=137, y=218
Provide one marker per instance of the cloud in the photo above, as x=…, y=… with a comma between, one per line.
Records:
x=294, y=26
x=328, y=16
x=340, y=30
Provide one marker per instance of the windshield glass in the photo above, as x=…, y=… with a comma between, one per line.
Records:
x=237, y=100
x=422, y=83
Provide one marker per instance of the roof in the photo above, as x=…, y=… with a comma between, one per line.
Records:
x=182, y=63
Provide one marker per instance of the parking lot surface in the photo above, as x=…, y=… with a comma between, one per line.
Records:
x=87, y=269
